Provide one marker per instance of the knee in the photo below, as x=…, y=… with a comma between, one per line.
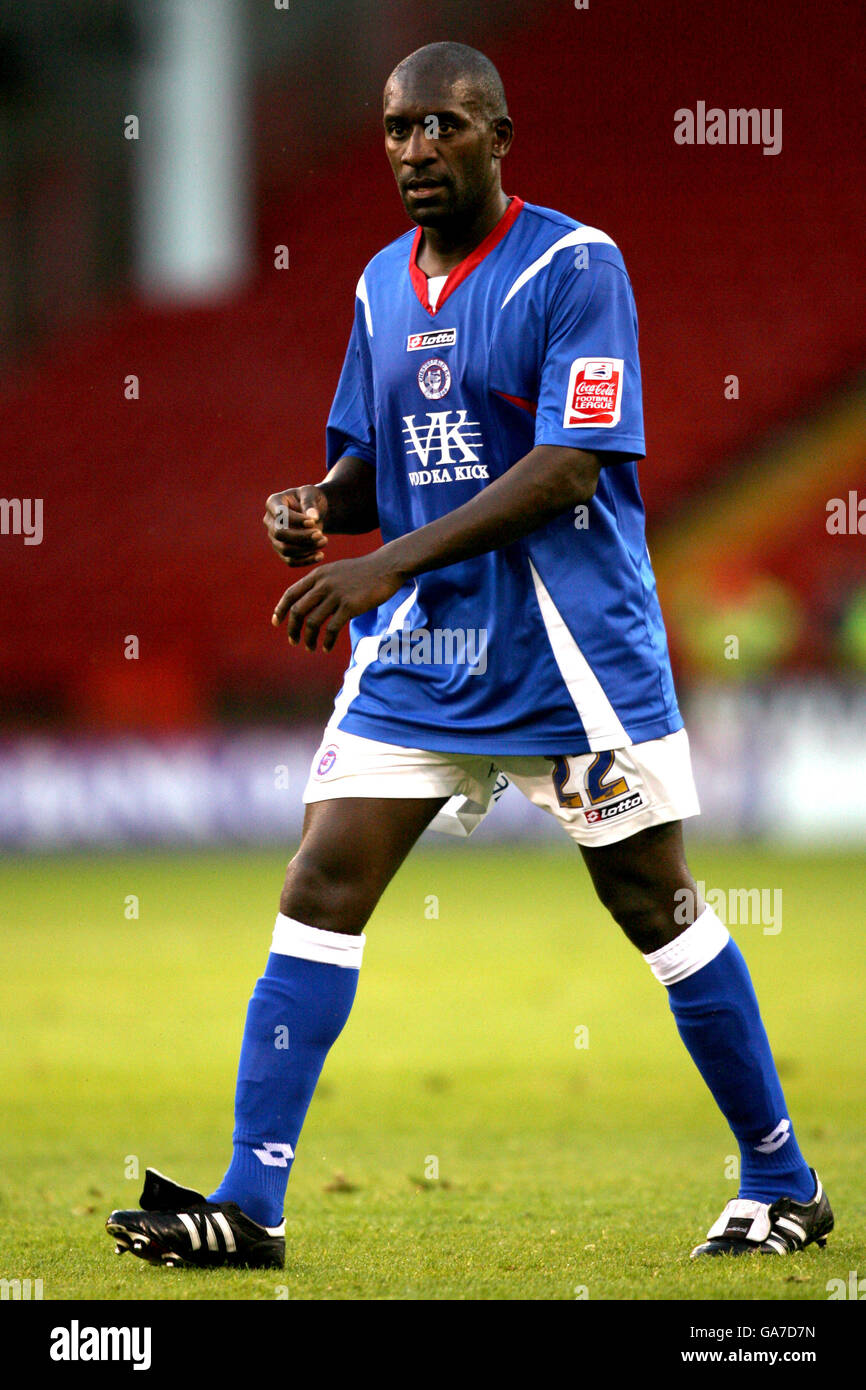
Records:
x=644, y=914
x=305, y=880
x=315, y=894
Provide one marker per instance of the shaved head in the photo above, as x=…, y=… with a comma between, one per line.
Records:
x=447, y=130
x=455, y=66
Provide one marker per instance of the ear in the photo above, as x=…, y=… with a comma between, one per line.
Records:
x=503, y=134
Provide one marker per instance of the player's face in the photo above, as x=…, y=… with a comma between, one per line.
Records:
x=445, y=154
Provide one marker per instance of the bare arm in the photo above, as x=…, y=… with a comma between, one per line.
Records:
x=547, y=481
x=350, y=488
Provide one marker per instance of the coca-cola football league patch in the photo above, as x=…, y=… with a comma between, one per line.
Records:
x=594, y=397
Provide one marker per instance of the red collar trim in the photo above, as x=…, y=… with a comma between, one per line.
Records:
x=466, y=267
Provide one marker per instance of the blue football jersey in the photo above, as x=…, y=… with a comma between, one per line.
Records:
x=555, y=643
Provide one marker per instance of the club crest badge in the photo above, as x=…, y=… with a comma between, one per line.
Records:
x=434, y=378
x=326, y=762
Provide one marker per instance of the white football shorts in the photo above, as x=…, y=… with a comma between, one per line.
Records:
x=598, y=798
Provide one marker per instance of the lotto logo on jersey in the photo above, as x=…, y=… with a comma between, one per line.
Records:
x=438, y=338
x=594, y=393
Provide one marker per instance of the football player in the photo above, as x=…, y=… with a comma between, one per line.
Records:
x=489, y=419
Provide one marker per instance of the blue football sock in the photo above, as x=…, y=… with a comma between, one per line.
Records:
x=716, y=1011
x=297, y=1011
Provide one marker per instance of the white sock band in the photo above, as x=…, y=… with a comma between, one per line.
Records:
x=293, y=938
x=691, y=950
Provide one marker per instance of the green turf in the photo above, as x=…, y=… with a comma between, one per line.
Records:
x=563, y=1171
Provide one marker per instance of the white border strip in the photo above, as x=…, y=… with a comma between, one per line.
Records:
x=691, y=950
x=292, y=938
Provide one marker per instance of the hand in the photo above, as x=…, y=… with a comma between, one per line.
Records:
x=295, y=520
x=333, y=595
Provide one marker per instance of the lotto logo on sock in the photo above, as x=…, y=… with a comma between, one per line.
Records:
x=275, y=1155
x=773, y=1141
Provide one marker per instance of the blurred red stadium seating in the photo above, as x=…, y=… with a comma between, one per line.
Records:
x=153, y=506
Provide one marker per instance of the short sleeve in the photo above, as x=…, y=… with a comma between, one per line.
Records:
x=351, y=425
x=590, y=388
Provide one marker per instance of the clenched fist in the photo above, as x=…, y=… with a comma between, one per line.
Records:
x=295, y=523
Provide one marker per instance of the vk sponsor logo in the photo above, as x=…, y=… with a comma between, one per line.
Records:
x=447, y=445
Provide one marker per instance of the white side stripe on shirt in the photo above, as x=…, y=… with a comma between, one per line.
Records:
x=366, y=653
x=599, y=719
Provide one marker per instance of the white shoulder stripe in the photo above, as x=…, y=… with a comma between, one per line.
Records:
x=581, y=236
x=361, y=292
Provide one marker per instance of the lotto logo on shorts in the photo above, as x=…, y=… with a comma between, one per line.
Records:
x=594, y=393
x=326, y=762
x=616, y=808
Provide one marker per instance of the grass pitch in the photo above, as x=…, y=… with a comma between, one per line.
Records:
x=509, y=1113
